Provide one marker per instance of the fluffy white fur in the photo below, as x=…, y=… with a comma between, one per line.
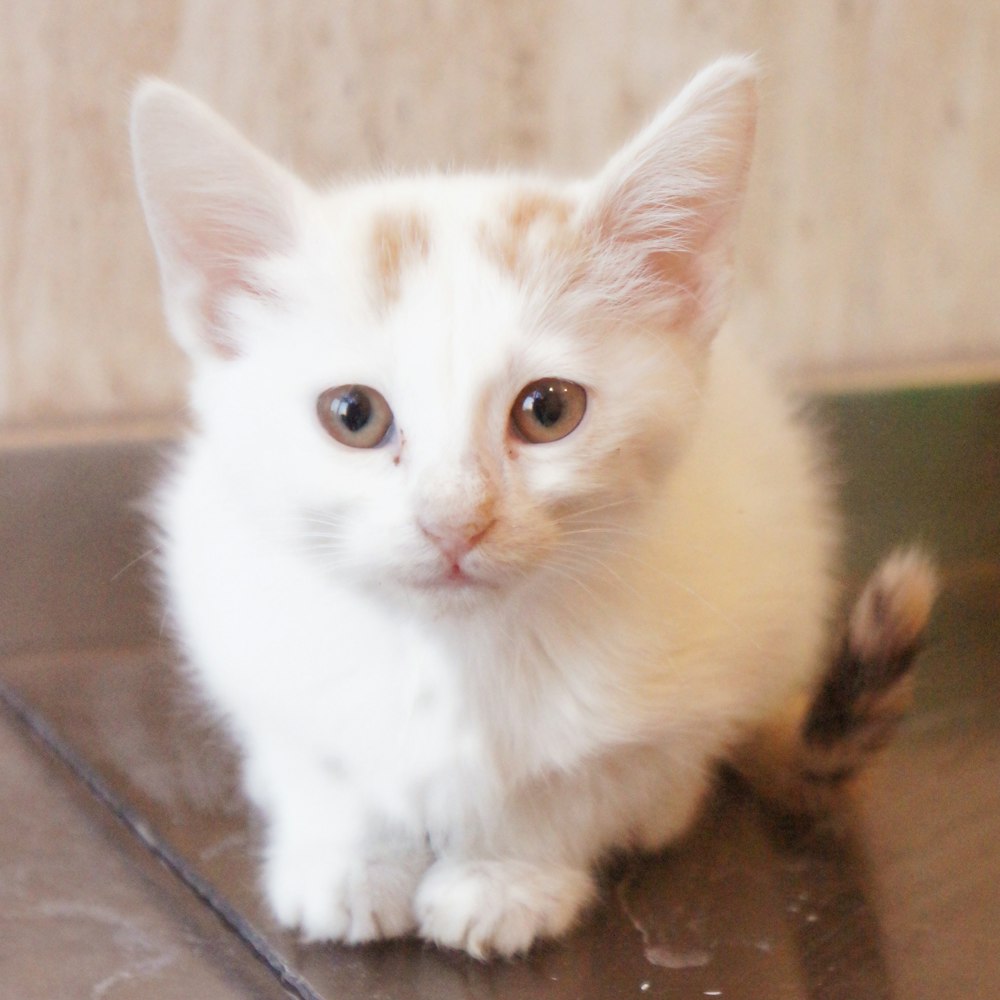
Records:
x=452, y=757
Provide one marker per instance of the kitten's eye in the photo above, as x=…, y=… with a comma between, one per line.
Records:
x=355, y=415
x=548, y=410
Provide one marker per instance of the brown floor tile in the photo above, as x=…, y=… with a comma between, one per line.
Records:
x=82, y=915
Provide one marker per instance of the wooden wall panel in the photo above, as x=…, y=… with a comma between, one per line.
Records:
x=870, y=240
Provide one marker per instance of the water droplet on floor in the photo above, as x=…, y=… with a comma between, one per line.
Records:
x=667, y=958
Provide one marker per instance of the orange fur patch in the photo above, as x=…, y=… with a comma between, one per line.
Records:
x=398, y=240
x=531, y=225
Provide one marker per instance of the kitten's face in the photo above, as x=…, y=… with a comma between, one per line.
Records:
x=416, y=409
x=457, y=386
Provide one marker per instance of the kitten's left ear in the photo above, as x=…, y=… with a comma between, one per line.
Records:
x=215, y=206
x=661, y=217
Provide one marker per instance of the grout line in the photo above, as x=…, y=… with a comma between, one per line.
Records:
x=892, y=378
x=28, y=437
x=255, y=942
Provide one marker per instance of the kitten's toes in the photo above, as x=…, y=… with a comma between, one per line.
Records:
x=499, y=907
x=331, y=897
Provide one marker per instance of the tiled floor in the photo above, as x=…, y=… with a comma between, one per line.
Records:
x=899, y=899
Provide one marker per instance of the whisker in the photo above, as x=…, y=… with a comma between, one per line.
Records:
x=133, y=562
x=598, y=508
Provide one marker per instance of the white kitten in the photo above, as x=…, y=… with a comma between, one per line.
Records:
x=483, y=547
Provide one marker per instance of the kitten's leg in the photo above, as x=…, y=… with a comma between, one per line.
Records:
x=328, y=870
x=665, y=797
x=531, y=877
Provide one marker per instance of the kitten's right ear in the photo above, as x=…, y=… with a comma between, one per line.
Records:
x=215, y=208
x=662, y=214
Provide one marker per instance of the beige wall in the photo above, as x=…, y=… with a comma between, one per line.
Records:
x=871, y=240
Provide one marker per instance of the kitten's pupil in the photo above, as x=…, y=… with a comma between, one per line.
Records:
x=354, y=410
x=546, y=405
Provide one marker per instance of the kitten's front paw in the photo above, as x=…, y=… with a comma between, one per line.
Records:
x=351, y=898
x=499, y=907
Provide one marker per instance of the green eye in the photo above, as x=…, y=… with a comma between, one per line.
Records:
x=547, y=410
x=355, y=415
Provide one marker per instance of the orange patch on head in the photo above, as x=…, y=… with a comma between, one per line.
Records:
x=534, y=208
x=398, y=240
x=531, y=225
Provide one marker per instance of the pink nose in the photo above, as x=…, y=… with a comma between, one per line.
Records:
x=457, y=541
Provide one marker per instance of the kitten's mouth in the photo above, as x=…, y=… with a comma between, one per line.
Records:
x=454, y=579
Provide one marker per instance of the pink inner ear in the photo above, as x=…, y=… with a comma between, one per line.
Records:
x=225, y=281
x=224, y=256
x=659, y=255
x=664, y=242
x=676, y=230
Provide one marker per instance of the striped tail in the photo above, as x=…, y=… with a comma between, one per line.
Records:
x=804, y=760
